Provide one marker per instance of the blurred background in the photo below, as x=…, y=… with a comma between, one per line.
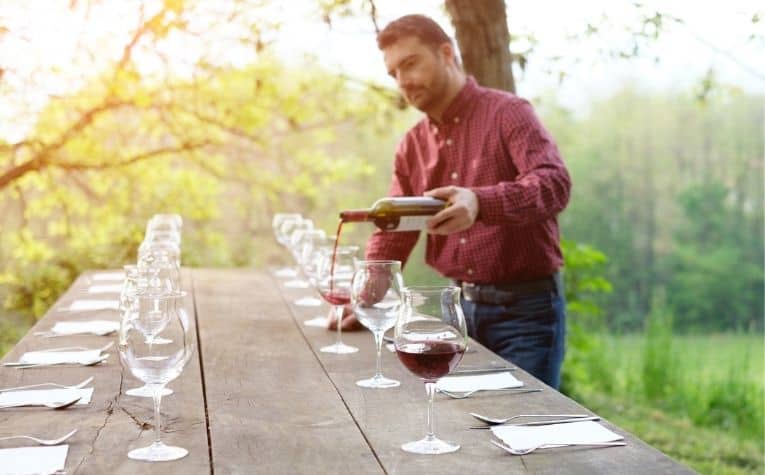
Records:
x=227, y=112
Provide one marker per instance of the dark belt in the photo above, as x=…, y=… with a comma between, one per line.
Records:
x=506, y=293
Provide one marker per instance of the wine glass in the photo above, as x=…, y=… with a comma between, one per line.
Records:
x=334, y=285
x=156, y=365
x=303, y=242
x=137, y=280
x=430, y=339
x=295, y=231
x=376, y=299
x=282, y=237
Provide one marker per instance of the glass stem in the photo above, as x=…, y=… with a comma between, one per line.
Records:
x=378, y=343
x=430, y=388
x=157, y=395
x=339, y=320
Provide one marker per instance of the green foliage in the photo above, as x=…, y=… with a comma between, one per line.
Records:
x=671, y=190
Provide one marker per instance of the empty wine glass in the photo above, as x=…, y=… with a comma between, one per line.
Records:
x=280, y=233
x=303, y=242
x=334, y=286
x=156, y=365
x=430, y=339
x=137, y=281
x=296, y=230
x=376, y=299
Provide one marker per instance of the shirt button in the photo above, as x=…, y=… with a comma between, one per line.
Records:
x=470, y=271
x=463, y=240
x=448, y=141
x=454, y=175
x=456, y=120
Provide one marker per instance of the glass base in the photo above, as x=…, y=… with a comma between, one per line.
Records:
x=297, y=284
x=339, y=348
x=376, y=382
x=285, y=273
x=158, y=452
x=430, y=446
x=307, y=302
x=146, y=391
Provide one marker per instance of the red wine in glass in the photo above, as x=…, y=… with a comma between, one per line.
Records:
x=337, y=297
x=430, y=360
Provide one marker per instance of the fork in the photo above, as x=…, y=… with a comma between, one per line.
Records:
x=20, y=365
x=75, y=348
x=51, y=405
x=76, y=386
x=41, y=441
x=528, y=450
x=497, y=421
x=463, y=395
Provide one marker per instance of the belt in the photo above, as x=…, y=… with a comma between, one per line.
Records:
x=507, y=292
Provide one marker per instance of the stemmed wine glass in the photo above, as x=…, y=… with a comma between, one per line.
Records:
x=282, y=237
x=430, y=339
x=138, y=279
x=376, y=299
x=334, y=285
x=156, y=365
x=301, y=243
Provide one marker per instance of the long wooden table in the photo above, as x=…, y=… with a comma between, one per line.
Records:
x=261, y=398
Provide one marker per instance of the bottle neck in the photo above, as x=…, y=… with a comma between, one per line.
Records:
x=354, y=215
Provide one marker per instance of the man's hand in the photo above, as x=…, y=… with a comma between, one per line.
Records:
x=459, y=215
x=349, y=320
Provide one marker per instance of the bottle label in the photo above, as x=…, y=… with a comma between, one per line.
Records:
x=411, y=223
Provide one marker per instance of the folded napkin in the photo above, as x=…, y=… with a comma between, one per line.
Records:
x=81, y=305
x=27, y=460
x=320, y=322
x=95, y=327
x=478, y=381
x=285, y=272
x=105, y=289
x=45, y=396
x=526, y=437
x=101, y=276
x=297, y=284
x=60, y=357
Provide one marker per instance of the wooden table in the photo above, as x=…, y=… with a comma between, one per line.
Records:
x=261, y=398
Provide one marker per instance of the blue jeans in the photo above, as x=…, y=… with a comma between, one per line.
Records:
x=530, y=332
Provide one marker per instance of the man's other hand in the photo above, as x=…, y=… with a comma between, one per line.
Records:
x=349, y=320
x=459, y=215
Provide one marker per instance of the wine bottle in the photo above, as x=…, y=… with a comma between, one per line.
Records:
x=400, y=213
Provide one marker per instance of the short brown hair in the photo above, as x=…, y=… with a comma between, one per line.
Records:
x=419, y=26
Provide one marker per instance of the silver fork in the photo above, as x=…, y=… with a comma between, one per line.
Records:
x=528, y=450
x=497, y=421
x=30, y=386
x=41, y=441
x=20, y=365
x=463, y=395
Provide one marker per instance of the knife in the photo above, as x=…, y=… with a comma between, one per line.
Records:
x=491, y=369
x=541, y=423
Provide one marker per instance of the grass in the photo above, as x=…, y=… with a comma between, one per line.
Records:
x=699, y=399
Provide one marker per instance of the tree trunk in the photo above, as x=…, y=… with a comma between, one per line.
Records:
x=484, y=41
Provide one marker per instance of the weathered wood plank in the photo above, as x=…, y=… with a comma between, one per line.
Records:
x=272, y=408
x=390, y=417
x=112, y=424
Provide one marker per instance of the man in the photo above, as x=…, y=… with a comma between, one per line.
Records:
x=487, y=154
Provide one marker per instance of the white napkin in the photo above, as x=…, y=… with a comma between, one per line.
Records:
x=525, y=437
x=59, y=357
x=105, y=289
x=320, y=322
x=285, y=272
x=101, y=276
x=81, y=305
x=96, y=327
x=478, y=381
x=27, y=460
x=44, y=396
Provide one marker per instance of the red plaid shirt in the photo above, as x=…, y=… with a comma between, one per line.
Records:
x=491, y=142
